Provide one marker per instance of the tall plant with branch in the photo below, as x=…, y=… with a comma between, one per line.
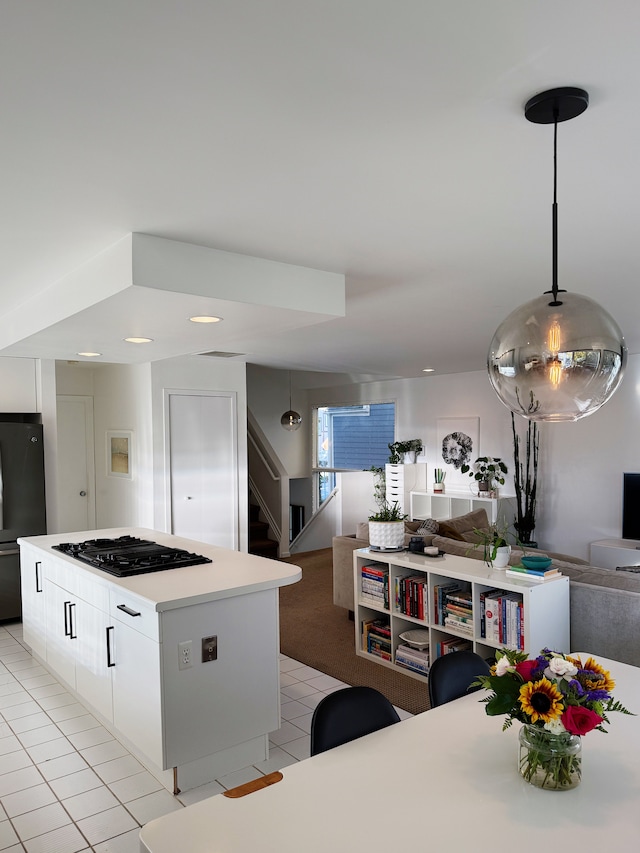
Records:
x=525, y=478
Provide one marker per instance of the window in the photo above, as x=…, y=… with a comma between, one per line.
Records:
x=350, y=438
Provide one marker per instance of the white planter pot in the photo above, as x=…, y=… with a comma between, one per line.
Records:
x=386, y=534
x=409, y=457
x=501, y=560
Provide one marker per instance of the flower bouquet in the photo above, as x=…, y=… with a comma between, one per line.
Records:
x=559, y=699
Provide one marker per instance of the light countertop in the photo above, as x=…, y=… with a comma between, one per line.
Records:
x=230, y=573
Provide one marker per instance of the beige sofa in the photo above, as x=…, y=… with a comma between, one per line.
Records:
x=605, y=604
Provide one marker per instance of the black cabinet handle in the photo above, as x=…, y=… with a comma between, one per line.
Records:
x=110, y=661
x=67, y=630
x=128, y=610
x=38, y=579
x=72, y=636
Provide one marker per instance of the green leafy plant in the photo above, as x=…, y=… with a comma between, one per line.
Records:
x=388, y=512
x=379, y=486
x=490, y=539
x=488, y=469
x=399, y=448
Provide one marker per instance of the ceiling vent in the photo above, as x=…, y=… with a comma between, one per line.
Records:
x=216, y=354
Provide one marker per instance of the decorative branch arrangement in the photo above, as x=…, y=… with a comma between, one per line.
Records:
x=525, y=480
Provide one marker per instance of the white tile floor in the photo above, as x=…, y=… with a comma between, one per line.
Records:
x=67, y=786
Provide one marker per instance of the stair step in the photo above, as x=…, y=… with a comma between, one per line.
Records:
x=264, y=548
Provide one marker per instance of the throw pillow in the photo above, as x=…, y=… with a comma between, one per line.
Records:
x=456, y=528
x=362, y=530
x=428, y=525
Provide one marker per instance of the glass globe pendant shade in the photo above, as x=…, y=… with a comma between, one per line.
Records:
x=291, y=420
x=557, y=362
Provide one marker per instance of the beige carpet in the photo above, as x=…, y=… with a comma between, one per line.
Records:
x=317, y=633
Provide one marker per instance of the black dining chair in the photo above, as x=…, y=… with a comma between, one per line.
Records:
x=451, y=675
x=348, y=714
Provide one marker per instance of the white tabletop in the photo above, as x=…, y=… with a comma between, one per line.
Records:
x=442, y=780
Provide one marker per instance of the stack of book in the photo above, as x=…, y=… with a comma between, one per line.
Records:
x=440, y=592
x=376, y=638
x=452, y=644
x=459, y=611
x=502, y=618
x=417, y=660
x=535, y=575
x=411, y=596
x=374, y=582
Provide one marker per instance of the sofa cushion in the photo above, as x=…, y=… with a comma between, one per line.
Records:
x=462, y=528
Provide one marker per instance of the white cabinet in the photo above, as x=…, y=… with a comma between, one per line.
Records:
x=611, y=553
x=77, y=639
x=33, y=603
x=400, y=480
x=116, y=643
x=450, y=504
x=542, y=609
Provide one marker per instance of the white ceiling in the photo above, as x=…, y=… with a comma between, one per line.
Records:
x=382, y=139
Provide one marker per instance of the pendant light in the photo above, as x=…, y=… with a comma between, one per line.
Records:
x=291, y=420
x=560, y=356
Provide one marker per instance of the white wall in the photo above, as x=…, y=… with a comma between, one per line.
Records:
x=581, y=464
x=121, y=401
x=268, y=396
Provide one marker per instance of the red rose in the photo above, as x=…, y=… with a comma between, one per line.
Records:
x=580, y=721
x=526, y=667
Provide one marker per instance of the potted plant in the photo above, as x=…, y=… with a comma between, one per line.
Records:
x=487, y=471
x=525, y=481
x=386, y=527
x=495, y=545
x=405, y=451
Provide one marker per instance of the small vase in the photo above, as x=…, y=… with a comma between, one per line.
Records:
x=438, y=487
x=501, y=559
x=548, y=760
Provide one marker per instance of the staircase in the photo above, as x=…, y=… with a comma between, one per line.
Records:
x=259, y=542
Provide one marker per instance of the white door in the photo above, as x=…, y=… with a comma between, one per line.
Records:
x=76, y=471
x=203, y=466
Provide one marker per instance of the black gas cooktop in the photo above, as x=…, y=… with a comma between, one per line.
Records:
x=128, y=555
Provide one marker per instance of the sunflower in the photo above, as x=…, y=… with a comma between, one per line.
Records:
x=600, y=680
x=541, y=700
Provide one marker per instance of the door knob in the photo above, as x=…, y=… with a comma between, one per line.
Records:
x=83, y=494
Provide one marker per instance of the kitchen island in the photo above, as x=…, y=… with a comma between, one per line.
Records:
x=182, y=664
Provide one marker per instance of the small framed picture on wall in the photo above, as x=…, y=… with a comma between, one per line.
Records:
x=120, y=453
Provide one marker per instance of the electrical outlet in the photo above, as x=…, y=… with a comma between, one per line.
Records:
x=185, y=657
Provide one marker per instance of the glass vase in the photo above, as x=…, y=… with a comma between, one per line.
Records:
x=551, y=761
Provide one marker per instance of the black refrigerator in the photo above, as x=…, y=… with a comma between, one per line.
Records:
x=22, y=505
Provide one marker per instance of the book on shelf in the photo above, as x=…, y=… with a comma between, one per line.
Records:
x=439, y=599
x=417, y=654
x=532, y=577
x=462, y=627
x=453, y=644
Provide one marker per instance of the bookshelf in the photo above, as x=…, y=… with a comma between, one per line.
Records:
x=449, y=504
x=538, y=616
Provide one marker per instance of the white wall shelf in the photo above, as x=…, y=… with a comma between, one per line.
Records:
x=545, y=605
x=450, y=504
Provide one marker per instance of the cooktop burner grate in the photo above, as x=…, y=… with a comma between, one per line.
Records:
x=128, y=555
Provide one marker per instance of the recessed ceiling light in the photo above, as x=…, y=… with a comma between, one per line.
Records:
x=428, y=369
x=89, y=354
x=138, y=340
x=205, y=318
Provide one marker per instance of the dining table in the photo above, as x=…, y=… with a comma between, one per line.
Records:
x=445, y=779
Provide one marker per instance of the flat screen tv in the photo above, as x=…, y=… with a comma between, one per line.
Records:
x=631, y=507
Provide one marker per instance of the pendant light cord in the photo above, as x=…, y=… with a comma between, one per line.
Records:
x=554, y=218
